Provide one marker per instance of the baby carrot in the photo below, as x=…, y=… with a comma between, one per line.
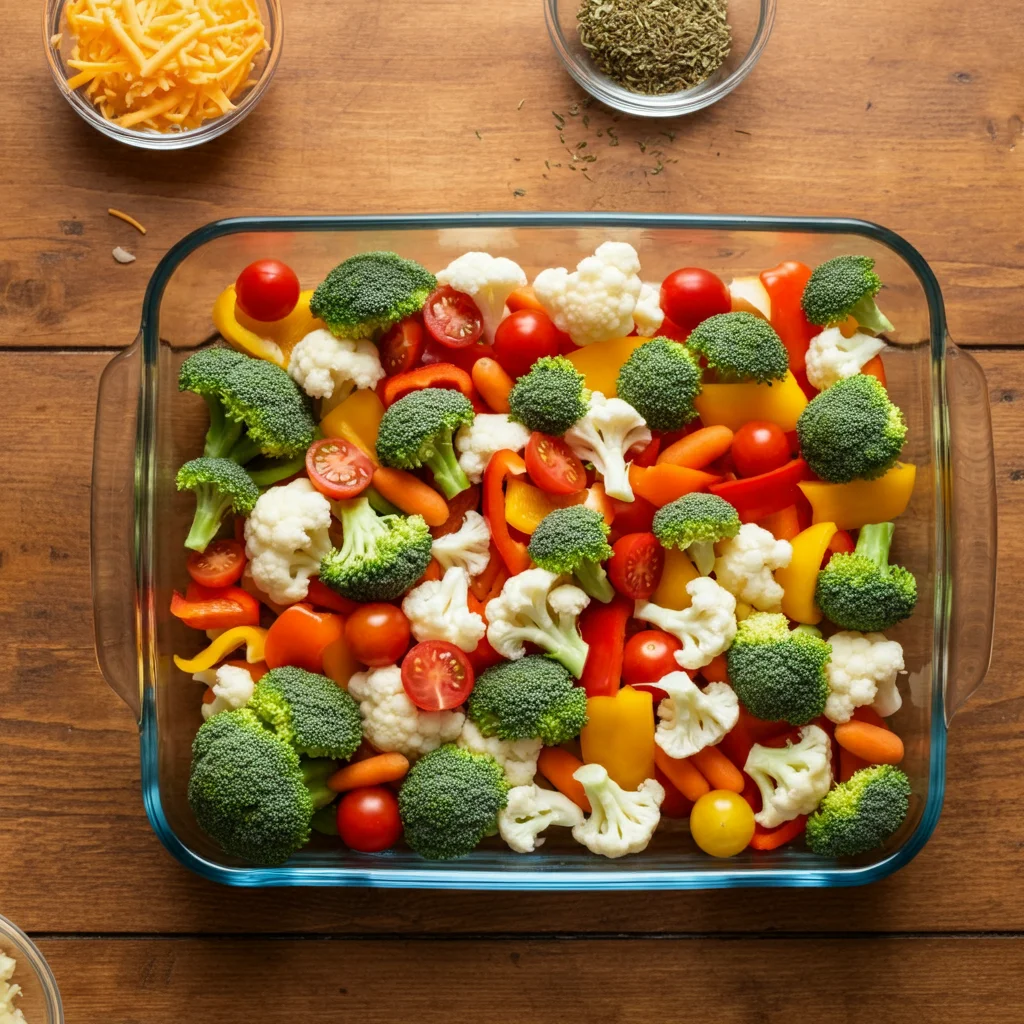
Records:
x=716, y=670
x=682, y=774
x=870, y=742
x=718, y=769
x=411, y=494
x=773, y=838
x=557, y=766
x=374, y=771
x=432, y=571
x=699, y=449
x=493, y=383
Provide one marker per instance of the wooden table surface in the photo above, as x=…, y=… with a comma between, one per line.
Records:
x=909, y=114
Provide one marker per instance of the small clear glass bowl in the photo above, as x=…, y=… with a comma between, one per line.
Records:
x=751, y=22
x=39, y=1001
x=266, y=65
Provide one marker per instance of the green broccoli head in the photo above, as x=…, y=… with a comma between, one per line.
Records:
x=381, y=557
x=661, y=380
x=417, y=431
x=550, y=398
x=852, y=431
x=861, y=813
x=220, y=486
x=779, y=675
x=532, y=698
x=861, y=590
x=309, y=711
x=574, y=541
x=842, y=287
x=740, y=346
x=696, y=522
x=204, y=373
x=450, y=800
x=369, y=292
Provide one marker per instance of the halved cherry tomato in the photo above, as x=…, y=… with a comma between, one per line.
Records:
x=402, y=347
x=368, y=819
x=337, y=468
x=267, y=290
x=690, y=295
x=452, y=318
x=522, y=338
x=378, y=634
x=553, y=466
x=636, y=564
x=220, y=565
x=649, y=655
x=634, y=516
x=299, y=636
x=220, y=608
x=759, y=447
x=437, y=675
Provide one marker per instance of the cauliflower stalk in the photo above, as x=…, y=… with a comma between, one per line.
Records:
x=690, y=719
x=603, y=435
x=439, y=610
x=648, y=315
x=517, y=757
x=705, y=629
x=792, y=779
x=832, y=357
x=232, y=687
x=286, y=535
x=332, y=368
x=620, y=822
x=529, y=811
x=467, y=548
x=862, y=671
x=746, y=563
x=476, y=442
x=490, y=280
x=597, y=300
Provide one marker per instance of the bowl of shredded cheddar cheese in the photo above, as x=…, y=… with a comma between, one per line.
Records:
x=163, y=74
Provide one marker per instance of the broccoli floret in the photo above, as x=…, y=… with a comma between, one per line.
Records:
x=661, y=380
x=861, y=590
x=381, y=557
x=779, y=675
x=851, y=431
x=550, y=398
x=532, y=698
x=574, y=541
x=369, y=292
x=309, y=711
x=450, y=800
x=695, y=523
x=203, y=373
x=861, y=813
x=842, y=287
x=740, y=346
x=417, y=430
x=220, y=486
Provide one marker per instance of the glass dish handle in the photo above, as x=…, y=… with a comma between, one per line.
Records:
x=114, y=594
x=972, y=513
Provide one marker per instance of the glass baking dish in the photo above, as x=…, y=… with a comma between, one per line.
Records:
x=145, y=429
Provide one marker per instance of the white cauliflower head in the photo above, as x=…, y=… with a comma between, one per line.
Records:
x=332, y=368
x=517, y=757
x=9, y=991
x=232, y=687
x=469, y=547
x=746, y=564
x=529, y=811
x=285, y=538
x=603, y=435
x=439, y=610
x=690, y=720
x=490, y=280
x=862, y=671
x=792, y=779
x=596, y=301
x=620, y=822
x=647, y=315
x=831, y=357
x=392, y=723
x=489, y=432
x=705, y=629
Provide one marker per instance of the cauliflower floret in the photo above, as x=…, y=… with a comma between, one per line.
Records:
x=392, y=723
x=689, y=719
x=529, y=811
x=285, y=538
x=620, y=822
x=648, y=315
x=705, y=629
x=596, y=301
x=467, y=548
x=793, y=779
x=831, y=357
x=476, y=442
x=439, y=610
x=232, y=687
x=746, y=564
x=489, y=279
x=603, y=435
x=9, y=1014
x=862, y=671
x=332, y=368
x=517, y=757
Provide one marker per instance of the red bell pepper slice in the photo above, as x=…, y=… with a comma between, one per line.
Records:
x=646, y=456
x=757, y=497
x=320, y=595
x=438, y=375
x=220, y=608
x=603, y=628
x=772, y=838
x=785, y=287
x=502, y=465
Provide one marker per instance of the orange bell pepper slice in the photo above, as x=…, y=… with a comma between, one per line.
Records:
x=664, y=482
x=504, y=467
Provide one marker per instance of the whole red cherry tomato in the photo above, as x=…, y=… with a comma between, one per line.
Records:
x=378, y=634
x=267, y=290
x=522, y=338
x=649, y=655
x=368, y=819
x=759, y=447
x=690, y=295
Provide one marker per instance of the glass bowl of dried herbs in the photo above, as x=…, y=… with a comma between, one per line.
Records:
x=659, y=58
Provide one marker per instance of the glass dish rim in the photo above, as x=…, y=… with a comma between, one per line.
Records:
x=538, y=880
x=27, y=950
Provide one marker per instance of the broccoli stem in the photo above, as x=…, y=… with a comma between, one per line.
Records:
x=874, y=542
x=445, y=466
x=277, y=470
x=245, y=450
x=593, y=580
x=360, y=526
x=569, y=649
x=866, y=312
x=315, y=772
x=703, y=554
x=211, y=507
x=222, y=433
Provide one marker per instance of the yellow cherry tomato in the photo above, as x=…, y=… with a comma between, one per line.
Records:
x=722, y=823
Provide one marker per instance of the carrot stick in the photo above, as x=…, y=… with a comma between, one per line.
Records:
x=682, y=774
x=773, y=838
x=432, y=572
x=849, y=764
x=493, y=383
x=716, y=670
x=557, y=766
x=699, y=449
x=374, y=771
x=410, y=494
x=870, y=742
x=718, y=769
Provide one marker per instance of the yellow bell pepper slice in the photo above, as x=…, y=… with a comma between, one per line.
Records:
x=619, y=734
x=252, y=637
x=853, y=505
x=800, y=577
x=732, y=405
x=357, y=419
x=678, y=572
x=271, y=341
x=526, y=505
x=600, y=363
